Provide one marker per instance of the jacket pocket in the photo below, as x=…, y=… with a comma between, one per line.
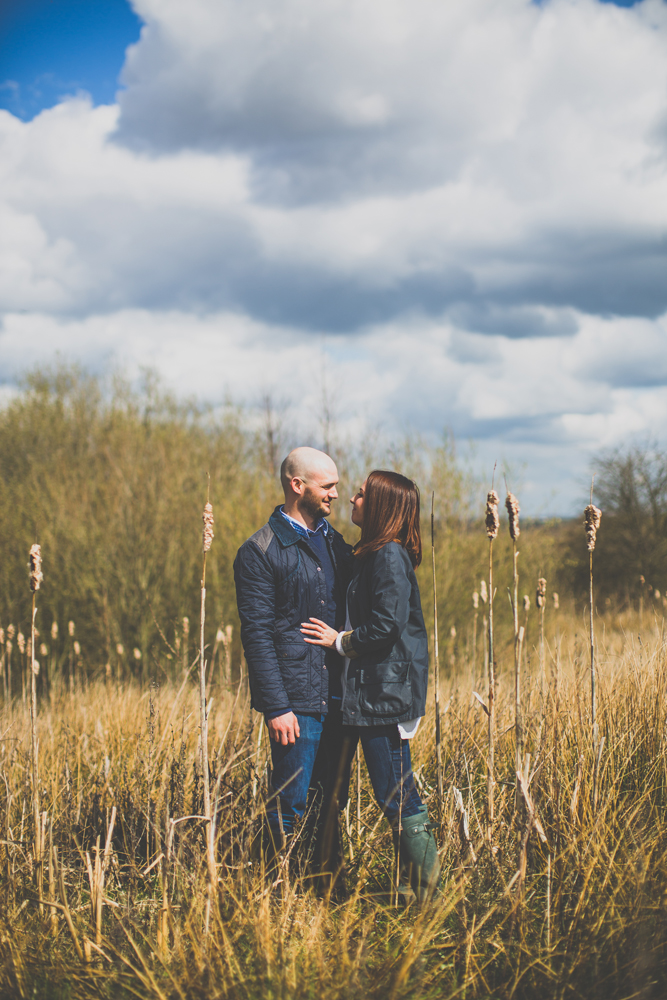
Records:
x=290, y=650
x=385, y=689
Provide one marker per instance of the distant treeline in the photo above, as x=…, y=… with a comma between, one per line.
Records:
x=111, y=481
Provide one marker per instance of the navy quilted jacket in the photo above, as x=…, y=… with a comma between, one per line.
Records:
x=280, y=584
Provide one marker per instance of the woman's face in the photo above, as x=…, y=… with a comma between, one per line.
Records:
x=357, y=502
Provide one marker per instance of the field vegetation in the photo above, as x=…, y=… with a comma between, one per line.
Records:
x=563, y=895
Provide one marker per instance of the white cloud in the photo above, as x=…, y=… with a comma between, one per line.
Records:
x=469, y=199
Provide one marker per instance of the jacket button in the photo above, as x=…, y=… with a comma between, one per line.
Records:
x=321, y=602
x=319, y=569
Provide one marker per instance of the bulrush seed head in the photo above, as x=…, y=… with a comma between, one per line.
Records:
x=492, y=520
x=77, y=649
x=207, y=518
x=21, y=641
x=43, y=650
x=526, y=602
x=70, y=628
x=475, y=600
x=11, y=631
x=36, y=575
x=541, y=593
x=54, y=630
x=556, y=601
x=513, y=509
x=592, y=515
x=483, y=591
x=2, y=636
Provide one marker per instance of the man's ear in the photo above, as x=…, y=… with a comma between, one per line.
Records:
x=298, y=485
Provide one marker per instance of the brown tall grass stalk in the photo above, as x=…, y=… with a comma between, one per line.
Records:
x=36, y=577
x=492, y=523
x=512, y=505
x=540, y=601
x=436, y=666
x=207, y=538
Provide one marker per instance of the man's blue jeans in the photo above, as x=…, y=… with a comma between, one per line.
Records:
x=311, y=778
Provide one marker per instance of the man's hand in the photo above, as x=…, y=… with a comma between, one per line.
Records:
x=284, y=728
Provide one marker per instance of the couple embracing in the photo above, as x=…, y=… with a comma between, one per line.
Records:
x=337, y=654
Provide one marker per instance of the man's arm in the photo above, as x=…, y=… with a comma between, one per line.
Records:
x=255, y=597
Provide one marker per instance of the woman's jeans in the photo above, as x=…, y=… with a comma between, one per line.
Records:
x=389, y=766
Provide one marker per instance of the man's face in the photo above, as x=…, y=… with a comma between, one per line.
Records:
x=319, y=493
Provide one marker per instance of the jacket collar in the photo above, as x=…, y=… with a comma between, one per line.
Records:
x=282, y=529
x=285, y=533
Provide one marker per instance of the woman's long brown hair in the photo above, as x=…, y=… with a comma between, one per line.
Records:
x=391, y=514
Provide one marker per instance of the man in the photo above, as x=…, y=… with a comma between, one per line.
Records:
x=294, y=568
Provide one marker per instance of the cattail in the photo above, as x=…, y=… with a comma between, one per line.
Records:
x=136, y=653
x=54, y=630
x=556, y=600
x=475, y=600
x=43, y=649
x=186, y=627
x=492, y=520
x=120, y=649
x=526, y=602
x=592, y=516
x=512, y=505
x=77, y=649
x=492, y=523
x=36, y=575
x=2, y=636
x=541, y=593
x=9, y=646
x=20, y=638
x=452, y=631
x=482, y=590
x=656, y=594
x=11, y=631
x=70, y=628
x=207, y=534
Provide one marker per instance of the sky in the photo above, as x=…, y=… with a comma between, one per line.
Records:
x=442, y=218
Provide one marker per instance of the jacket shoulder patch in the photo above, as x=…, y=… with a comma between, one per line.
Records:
x=262, y=538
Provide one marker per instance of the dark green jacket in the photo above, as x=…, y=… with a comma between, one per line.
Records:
x=387, y=674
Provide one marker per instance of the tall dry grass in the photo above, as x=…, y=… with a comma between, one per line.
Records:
x=124, y=848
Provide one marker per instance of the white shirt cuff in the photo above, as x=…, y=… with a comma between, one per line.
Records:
x=339, y=644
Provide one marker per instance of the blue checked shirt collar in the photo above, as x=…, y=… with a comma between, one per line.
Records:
x=305, y=532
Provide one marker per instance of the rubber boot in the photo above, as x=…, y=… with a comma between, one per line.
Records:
x=404, y=890
x=419, y=854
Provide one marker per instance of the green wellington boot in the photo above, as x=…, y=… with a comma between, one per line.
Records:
x=406, y=896
x=419, y=856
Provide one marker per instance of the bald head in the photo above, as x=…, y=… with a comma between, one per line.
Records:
x=309, y=479
x=307, y=464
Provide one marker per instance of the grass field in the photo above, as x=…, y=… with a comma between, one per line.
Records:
x=578, y=912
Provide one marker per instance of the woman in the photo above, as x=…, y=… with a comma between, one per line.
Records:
x=386, y=664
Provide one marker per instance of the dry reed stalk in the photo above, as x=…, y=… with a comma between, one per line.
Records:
x=186, y=636
x=475, y=604
x=485, y=629
x=436, y=665
x=512, y=505
x=540, y=601
x=492, y=523
x=207, y=538
x=592, y=517
x=36, y=577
